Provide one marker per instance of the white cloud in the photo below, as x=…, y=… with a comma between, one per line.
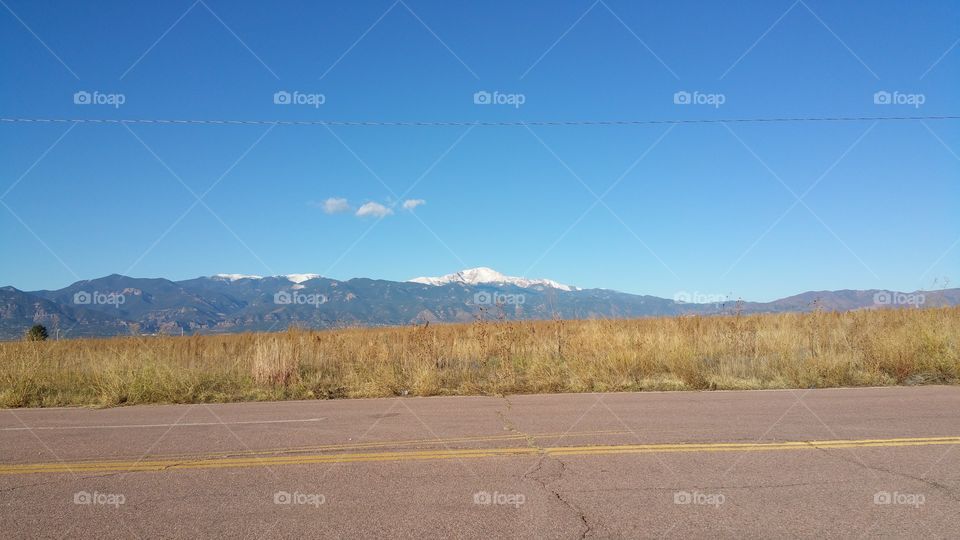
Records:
x=374, y=209
x=410, y=204
x=334, y=205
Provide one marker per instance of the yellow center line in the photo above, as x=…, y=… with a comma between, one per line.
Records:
x=368, y=445
x=214, y=462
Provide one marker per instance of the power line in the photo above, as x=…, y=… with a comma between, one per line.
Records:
x=472, y=123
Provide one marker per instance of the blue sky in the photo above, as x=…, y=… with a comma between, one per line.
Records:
x=699, y=208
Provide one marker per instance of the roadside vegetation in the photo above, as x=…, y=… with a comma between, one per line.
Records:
x=813, y=350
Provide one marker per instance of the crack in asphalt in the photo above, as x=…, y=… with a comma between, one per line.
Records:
x=511, y=426
x=544, y=483
x=720, y=487
x=23, y=486
x=950, y=492
x=125, y=473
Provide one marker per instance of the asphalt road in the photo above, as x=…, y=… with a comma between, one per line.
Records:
x=804, y=463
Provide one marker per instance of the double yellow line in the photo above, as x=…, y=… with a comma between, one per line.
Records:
x=372, y=445
x=214, y=462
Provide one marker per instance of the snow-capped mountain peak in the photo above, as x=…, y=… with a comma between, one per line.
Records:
x=475, y=276
x=300, y=278
x=235, y=277
x=293, y=278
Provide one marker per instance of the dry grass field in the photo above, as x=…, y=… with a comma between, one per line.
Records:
x=820, y=349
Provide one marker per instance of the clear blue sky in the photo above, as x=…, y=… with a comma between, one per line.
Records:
x=705, y=210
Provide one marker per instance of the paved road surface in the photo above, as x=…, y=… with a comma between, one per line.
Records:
x=805, y=463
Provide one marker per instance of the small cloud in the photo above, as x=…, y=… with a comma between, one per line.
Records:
x=410, y=204
x=374, y=209
x=335, y=205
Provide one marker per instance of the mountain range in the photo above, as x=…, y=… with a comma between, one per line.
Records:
x=121, y=305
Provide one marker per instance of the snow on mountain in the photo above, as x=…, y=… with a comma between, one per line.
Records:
x=475, y=276
x=300, y=278
x=235, y=277
x=470, y=276
x=293, y=278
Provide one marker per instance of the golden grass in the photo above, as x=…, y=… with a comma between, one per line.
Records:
x=814, y=350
